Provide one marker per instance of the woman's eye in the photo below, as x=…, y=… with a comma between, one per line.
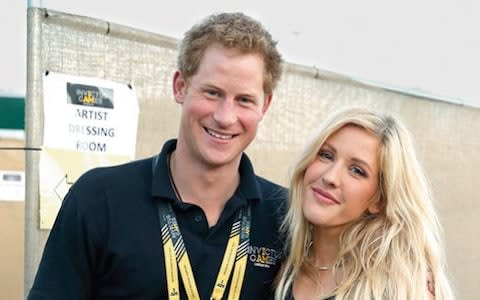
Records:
x=326, y=155
x=357, y=171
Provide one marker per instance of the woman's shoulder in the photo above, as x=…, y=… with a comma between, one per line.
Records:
x=290, y=296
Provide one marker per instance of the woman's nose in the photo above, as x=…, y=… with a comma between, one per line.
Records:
x=331, y=177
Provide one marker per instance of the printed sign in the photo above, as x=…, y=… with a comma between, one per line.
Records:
x=88, y=123
x=12, y=185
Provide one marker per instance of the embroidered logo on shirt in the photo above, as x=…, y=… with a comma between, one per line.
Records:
x=263, y=257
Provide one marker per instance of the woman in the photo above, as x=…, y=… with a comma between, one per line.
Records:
x=361, y=223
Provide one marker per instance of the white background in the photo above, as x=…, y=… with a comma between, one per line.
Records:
x=425, y=46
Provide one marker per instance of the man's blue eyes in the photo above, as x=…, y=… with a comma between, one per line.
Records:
x=212, y=93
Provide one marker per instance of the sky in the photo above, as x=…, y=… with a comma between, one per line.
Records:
x=429, y=47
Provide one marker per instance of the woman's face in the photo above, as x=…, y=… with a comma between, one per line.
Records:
x=341, y=184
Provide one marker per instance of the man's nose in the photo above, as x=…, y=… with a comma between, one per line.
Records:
x=225, y=113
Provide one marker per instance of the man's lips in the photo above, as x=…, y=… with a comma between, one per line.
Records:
x=219, y=135
x=324, y=196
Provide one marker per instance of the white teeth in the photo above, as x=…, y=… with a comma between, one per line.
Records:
x=219, y=136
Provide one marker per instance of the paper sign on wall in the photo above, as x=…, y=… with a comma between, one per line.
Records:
x=88, y=122
x=12, y=185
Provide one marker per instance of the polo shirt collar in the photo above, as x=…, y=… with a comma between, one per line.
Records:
x=248, y=188
x=160, y=179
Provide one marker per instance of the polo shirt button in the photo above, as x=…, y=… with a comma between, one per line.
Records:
x=198, y=218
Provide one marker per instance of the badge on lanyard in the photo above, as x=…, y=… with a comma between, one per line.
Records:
x=176, y=256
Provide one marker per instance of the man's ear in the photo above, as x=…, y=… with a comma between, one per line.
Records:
x=179, y=87
x=266, y=103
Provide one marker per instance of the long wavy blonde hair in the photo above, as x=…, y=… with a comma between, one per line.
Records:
x=390, y=255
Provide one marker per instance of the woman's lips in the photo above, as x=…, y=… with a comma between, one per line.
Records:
x=324, y=196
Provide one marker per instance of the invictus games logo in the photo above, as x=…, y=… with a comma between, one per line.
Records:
x=88, y=95
x=263, y=256
x=173, y=226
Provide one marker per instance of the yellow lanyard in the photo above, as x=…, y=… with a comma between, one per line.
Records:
x=175, y=254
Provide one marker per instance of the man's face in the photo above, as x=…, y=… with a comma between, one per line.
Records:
x=222, y=105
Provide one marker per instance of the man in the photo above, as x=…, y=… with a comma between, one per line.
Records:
x=194, y=222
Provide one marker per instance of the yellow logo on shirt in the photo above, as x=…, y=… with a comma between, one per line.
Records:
x=263, y=256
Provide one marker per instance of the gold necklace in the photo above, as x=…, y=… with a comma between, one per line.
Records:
x=323, y=268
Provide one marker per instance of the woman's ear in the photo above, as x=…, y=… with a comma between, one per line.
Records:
x=377, y=204
x=374, y=208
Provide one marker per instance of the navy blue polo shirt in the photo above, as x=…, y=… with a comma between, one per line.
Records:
x=106, y=241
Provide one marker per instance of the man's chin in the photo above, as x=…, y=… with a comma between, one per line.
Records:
x=218, y=160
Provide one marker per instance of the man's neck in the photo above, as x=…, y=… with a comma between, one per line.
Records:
x=208, y=187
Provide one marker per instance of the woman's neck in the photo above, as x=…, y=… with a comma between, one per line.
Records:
x=325, y=247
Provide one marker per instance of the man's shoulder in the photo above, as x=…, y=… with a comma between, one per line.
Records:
x=98, y=186
x=116, y=174
x=271, y=191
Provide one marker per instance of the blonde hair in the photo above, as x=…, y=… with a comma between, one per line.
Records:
x=230, y=30
x=389, y=255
